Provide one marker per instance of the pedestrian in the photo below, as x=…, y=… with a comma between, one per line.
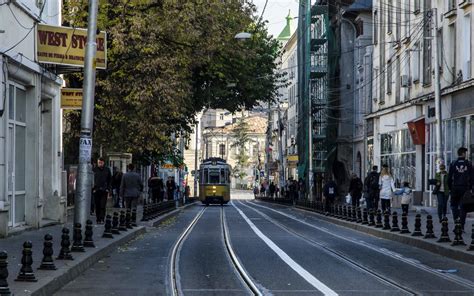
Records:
x=170, y=188
x=262, y=190
x=330, y=194
x=372, y=188
x=460, y=182
x=155, y=186
x=271, y=189
x=301, y=189
x=131, y=187
x=407, y=195
x=101, y=189
x=387, y=187
x=442, y=191
x=116, y=181
x=255, y=191
x=355, y=189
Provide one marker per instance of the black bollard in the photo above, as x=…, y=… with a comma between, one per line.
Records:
x=444, y=238
x=4, y=290
x=88, y=240
x=405, y=223
x=395, y=227
x=145, y=213
x=365, y=220
x=128, y=221
x=134, y=218
x=458, y=241
x=115, y=223
x=26, y=272
x=417, y=231
x=371, y=217
x=122, y=225
x=429, y=227
x=108, y=227
x=378, y=219
x=77, y=239
x=47, y=263
x=65, y=252
x=386, y=221
x=471, y=246
x=359, y=215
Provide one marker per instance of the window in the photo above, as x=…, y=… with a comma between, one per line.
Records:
x=398, y=83
x=451, y=5
x=416, y=62
x=376, y=26
x=398, y=25
x=417, y=6
x=407, y=14
x=221, y=116
x=214, y=176
x=389, y=16
x=222, y=150
x=466, y=47
x=427, y=61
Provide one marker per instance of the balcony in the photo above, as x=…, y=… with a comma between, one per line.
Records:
x=465, y=4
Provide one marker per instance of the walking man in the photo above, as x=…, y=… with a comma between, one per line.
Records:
x=330, y=194
x=131, y=187
x=116, y=181
x=355, y=189
x=101, y=189
x=170, y=188
x=372, y=188
x=460, y=182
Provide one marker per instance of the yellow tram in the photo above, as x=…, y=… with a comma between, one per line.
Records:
x=214, y=181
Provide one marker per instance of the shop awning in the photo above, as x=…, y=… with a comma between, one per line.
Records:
x=416, y=127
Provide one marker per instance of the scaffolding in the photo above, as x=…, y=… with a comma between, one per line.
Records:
x=316, y=67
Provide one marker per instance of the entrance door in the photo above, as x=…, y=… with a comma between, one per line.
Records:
x=16, y=155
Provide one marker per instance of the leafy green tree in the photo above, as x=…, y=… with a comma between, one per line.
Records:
x=167, y=60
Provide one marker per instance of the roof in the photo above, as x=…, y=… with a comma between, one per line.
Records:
x=257, y=125
x=287, y=30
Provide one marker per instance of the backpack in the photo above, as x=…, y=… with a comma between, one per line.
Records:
x=373, y=181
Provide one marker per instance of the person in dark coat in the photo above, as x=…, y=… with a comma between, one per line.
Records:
x=101, y=189
x=116, y=181
x=330, y=194
x=355, y=189
x=372, y=188
x=170, y=188
x=272, y=190
x=460, y=182
x=131, y=187
x=155, y=185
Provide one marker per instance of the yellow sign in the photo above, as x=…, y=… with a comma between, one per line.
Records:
x=71, y=98
x=67, y=46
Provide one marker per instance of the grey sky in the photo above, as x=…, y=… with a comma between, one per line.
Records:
x=276, y=12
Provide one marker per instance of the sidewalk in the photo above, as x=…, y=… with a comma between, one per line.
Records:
x=458, y=252
x=50, y=281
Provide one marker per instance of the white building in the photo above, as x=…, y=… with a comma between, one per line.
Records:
x=403, y=90
x=31, y=193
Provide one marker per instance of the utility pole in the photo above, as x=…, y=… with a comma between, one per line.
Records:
x=280, y=154
x=437, y=89
x=269, y=138
x=84, y=177
x=196, y=173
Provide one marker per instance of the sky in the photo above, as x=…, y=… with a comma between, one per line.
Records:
x=276, y=12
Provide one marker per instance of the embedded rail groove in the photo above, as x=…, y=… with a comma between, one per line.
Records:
x=336, y=254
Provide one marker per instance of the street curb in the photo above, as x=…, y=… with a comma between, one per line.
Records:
x=417, y=242
x=66, y=274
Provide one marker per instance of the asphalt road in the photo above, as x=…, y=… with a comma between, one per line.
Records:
x=277, y=251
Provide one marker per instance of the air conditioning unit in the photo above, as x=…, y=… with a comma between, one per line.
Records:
x=404, y=81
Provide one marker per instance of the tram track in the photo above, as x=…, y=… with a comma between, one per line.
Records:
x=449, y=277
x=245, y=279
x=335, y=254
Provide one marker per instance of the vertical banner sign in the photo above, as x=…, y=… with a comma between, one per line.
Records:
x=85, y=149
x=67, y=46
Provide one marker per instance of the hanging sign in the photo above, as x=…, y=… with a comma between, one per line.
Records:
x=67, y=46
x=71, y=98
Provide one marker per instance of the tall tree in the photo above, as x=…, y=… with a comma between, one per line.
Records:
x=241, y=139
x=168, y=60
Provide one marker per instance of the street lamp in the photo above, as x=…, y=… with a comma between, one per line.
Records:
x=243, y=36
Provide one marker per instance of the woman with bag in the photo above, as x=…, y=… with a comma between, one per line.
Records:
x=387, y=186
x=442, y=191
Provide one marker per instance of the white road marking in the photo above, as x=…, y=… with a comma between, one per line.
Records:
x=287, y=259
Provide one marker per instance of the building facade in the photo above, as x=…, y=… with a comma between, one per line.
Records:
x=30, y=121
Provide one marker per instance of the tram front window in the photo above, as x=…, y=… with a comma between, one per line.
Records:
x=214, y=177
